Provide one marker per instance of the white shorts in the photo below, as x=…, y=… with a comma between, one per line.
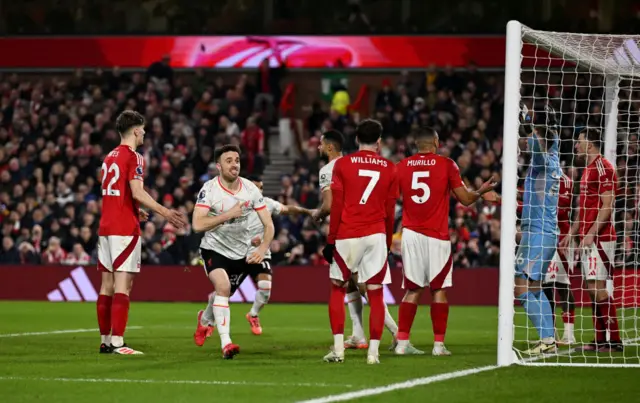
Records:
x=560, y=267
x=426, y=261
x=597, y=261
x=119, y=253
x=366, y=256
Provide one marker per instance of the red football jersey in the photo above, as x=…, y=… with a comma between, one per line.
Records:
x=426, y=181
x=119, y=209
x=367, y=183
x=599, y=177
x=565, y=200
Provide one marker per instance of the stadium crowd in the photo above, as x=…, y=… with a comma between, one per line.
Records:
x=55, y=131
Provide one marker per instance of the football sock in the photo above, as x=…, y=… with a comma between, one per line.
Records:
x=262, y=297
x=119, y=317
x=610, y=319
x=406, y=315
x=599, y=324
x=568, y=319
x=549, y=293
x=354, y=302
x=103, y=308
x=223, y=318
x=337, y=316
x=549, y=329
x=376, y=319
x=535, y=310
x=208, y=318
x=439, y=318
x=389, y=322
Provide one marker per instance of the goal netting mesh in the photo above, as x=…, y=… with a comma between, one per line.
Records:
x=592, y=81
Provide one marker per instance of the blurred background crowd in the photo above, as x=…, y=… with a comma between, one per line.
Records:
x=55, y=129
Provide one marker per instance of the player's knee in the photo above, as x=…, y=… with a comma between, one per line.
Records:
x=439, y=296
x=338, y=283
x=413, y=296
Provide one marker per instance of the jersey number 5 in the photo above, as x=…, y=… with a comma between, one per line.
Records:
x=374, y=178
x=417, y=185
x=113, y=168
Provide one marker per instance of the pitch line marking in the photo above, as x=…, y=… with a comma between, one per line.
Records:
x=169, y=381
x=59, y=332
x=412, y=383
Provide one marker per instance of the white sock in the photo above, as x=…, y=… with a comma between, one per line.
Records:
x=338, y=343
x=389, y=323
x=207, y=318
x=262, y=297
x=374, y=347
x=355, y=311
x=568, y=331
x=403, y=343
x=223, y=318
x=105, y=339
x=117, y=341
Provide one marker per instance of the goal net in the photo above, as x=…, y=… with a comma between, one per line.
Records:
x=592, y=81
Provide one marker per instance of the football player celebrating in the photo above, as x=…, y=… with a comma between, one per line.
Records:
x=222, y=212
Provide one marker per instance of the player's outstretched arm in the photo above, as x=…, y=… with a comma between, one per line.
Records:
x=202, y=222
x=324, y=210
x=468, y=197
x=295, y=210
x=138, y=193
x=269, y=232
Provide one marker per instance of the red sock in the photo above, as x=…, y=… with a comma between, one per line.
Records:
x=103, y=308
x=406, y=315
x=376, y=317
x=439, y=317
x=336, y=309
x=599, y=324
x=610, y=318
x=119, y=314
x=569, y=317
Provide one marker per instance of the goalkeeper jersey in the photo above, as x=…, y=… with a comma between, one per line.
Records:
x=541, y=188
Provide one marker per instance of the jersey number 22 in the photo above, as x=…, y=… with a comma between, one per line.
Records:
x=106, y=171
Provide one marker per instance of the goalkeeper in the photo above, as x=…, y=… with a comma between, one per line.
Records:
x=539, y=222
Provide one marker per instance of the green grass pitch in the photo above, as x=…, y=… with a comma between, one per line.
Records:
x=283, y=365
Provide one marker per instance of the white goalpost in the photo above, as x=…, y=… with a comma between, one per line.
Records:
x=591, y=80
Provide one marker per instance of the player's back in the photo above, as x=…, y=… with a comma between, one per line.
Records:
x=367, y=181
x=425, y=181
x=119, y=209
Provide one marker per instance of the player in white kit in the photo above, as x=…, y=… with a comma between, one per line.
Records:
x=331, y=144
x=222, y=212
x=261, y=272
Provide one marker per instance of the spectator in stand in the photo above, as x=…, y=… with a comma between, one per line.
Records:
x=10, y=254
x=77, y=256
x=28, y=254
x=54, y=254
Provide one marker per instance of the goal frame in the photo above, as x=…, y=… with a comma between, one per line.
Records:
x=517, y=33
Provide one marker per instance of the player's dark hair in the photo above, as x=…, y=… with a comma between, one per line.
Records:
x=127, y=120
x=593, y=135
x=225, y=149
x=424, y=133
x=334, y=137
x=368, y=131
x=254, y=178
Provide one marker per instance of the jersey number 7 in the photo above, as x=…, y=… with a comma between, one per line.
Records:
x=374, y=178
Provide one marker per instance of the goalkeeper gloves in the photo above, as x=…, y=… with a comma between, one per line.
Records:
x=327, y=252
x=525, y=120
x=547, y=118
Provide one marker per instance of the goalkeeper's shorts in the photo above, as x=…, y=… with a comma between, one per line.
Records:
x=535, y=254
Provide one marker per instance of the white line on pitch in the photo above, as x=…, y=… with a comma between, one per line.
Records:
x=59, y=332
x=412, y=383
x=172, y=381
